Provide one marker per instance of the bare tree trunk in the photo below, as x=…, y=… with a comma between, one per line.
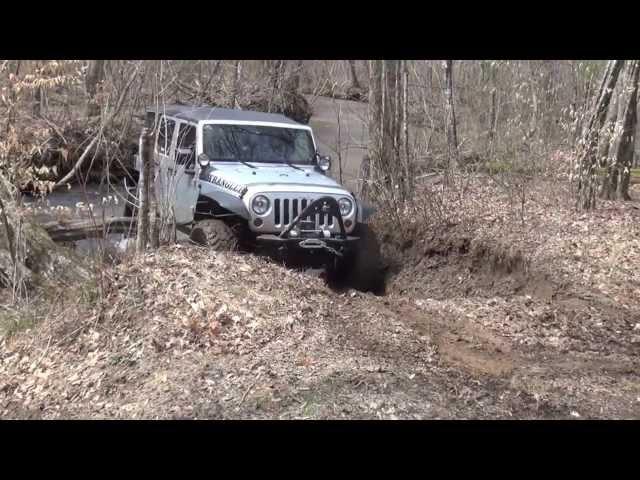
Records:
x=388, y=159
x=581, y=119
x=38, y=98
x=294, y=84
x=236, y=84
x=450, y=114
x=408, y=174
x=368, y=73
x=636, y=147
x=155, y=217
x=616, y=181
x=493, y=120
x=37, y=104
x=387, y=129
x=587, y=147
x=277, y=71
x=355, y=84
x=372, y=163
x=339, y=142
x=146, y=156
x=549, y=95
x=95, y=75
x=11, y=110
x=155, y=221
x=533, y=122
x=606, y=133
x=5, y=220
x=575, y=101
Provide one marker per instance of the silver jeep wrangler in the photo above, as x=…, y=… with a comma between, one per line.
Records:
x=242, y=179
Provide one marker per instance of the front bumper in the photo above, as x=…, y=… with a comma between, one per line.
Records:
x=335, y=246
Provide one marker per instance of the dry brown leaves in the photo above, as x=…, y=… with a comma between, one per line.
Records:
x=185, y=332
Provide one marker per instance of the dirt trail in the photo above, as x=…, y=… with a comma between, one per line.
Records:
x=579, y=383
x=462, y=345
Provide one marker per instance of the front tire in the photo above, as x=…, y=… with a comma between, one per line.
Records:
x=214, y=234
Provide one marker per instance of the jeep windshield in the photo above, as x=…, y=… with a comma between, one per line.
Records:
x=257, y=144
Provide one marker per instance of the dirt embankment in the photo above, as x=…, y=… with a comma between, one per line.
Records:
x=551, y=306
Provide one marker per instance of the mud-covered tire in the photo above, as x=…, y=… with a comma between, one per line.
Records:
x=363, y=269
x=214, y=234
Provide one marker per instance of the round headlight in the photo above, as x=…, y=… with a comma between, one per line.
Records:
x=260, y=204
x=346, y=206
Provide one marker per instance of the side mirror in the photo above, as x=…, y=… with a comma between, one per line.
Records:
x=203, y=160
x=324, y=162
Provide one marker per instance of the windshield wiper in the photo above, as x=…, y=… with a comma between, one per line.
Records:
x=293, y=166
x=246, y=163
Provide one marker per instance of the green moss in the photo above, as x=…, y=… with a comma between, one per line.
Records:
x=84, y=295
x=309, y=409
x=14, y=320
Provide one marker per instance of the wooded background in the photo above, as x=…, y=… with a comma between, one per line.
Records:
x=576, y=120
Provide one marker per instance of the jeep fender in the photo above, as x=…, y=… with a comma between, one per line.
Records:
x=226, y=200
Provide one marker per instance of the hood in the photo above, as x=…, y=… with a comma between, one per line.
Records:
x=244, y=177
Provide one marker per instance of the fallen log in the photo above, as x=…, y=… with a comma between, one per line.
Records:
x=82, y=229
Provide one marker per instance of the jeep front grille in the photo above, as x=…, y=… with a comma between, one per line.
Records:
x=286, y=206
x=285, y=210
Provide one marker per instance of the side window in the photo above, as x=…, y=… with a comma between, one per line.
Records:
x=186, y=136
x=150, y=120
x=186, y=145
x=165, y=135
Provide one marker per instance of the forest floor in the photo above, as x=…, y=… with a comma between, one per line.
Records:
x=502, y=314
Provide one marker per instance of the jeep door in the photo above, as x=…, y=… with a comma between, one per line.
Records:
x=187, y=181
x=176, y=184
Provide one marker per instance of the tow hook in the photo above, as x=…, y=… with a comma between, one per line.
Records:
x=314, y=243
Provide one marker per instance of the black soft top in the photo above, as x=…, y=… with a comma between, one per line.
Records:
x=197, y=114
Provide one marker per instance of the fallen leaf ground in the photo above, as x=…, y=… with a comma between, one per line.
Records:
x=497, y=318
